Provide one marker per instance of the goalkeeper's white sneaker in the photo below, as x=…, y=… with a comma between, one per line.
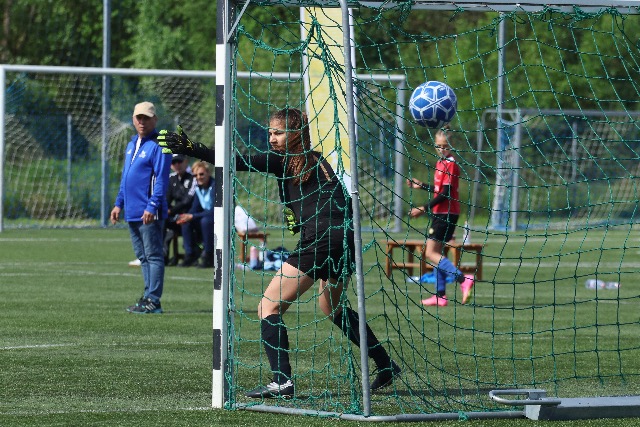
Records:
x=135, y=263
x=272, y=390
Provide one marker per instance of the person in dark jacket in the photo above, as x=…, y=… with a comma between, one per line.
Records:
x=179, y=198
x=197, y=224
x=142, y=195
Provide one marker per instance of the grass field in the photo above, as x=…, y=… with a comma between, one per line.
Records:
x=71, y=355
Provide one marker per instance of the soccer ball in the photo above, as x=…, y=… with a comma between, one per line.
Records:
x=433, y=104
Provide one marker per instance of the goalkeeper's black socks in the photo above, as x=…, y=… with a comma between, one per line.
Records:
x=276, y=344
x=348, y=321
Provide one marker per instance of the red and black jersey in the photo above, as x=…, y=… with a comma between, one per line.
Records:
x=447, y=173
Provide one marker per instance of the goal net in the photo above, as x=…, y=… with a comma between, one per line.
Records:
x=564, y=175
x=63, y=150
x=62, y=161
x=584, y=167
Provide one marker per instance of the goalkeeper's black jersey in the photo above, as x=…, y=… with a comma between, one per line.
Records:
x=315, y=201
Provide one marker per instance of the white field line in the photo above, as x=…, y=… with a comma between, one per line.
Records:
x=55, y=239
x=93, y=273
x=615, y=267
x=83, y=273
x=508, y=262
x=581, y=265
x=48, y=346
x=104, y=411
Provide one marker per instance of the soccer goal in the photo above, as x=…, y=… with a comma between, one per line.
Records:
x=531, y=322
x=62, y=136
x=585, y=167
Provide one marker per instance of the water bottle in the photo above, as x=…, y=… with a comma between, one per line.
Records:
x=261, y=249
x=594, y=284
x=612, y=285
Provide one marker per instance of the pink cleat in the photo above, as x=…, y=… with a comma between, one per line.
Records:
x=436, y=300
x=466, y=286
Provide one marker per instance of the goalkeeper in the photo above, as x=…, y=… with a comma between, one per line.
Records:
x=445, y=211
x=316, y=208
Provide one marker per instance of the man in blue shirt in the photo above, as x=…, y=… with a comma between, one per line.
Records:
x=142, y=195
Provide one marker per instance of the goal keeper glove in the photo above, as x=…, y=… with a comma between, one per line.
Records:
x=179, y=143
x=290, y=220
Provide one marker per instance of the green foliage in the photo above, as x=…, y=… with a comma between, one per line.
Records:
x=171, y=34
x=144, y=34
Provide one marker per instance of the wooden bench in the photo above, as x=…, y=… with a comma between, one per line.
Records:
x=244, y=240
x=415, y=248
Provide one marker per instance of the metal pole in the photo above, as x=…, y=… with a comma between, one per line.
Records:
x=355, y=201
x=574, y=163
x=501, y=48
x=515, y=172
x=476, y=175
x=3, y=76
x=399, y=157
x=68, y=164
x=499, y=203
x=106, y=107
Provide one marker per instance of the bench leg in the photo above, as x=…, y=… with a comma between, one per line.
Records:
x=478, y=266
x=243, y=251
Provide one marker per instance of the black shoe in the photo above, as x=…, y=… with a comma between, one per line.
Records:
x=386, y=376
x=147, y=307
x=132, y=307
x=272, y=390
x=171, y=262
x=189, y=260
x=206, y=260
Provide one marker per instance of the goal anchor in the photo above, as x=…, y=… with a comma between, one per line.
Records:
x=540, y=407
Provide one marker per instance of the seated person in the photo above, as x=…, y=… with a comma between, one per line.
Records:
x=198, y=222
x=179, y=198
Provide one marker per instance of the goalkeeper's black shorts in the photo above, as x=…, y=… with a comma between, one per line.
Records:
x=325, y=251
x=442, y=226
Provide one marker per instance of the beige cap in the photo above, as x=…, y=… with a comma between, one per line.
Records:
x=146, y=108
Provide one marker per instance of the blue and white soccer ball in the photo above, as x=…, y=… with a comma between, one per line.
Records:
x=433, y=104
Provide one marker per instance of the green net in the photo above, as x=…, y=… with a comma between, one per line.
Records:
x=548, y=151
x=57, y=155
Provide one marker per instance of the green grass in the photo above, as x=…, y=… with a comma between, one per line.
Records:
x=71, y=355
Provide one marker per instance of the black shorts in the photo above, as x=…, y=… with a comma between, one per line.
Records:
x=325, y=251
x=442, y=227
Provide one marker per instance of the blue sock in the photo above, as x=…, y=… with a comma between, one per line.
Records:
x=444, y=269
